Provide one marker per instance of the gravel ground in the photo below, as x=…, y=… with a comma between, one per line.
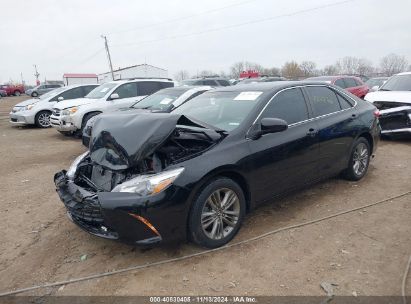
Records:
x=364, y=252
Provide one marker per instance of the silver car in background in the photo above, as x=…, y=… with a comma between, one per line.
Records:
x=37, y=111
x=42, y=89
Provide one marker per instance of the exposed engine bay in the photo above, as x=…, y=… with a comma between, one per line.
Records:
x=114, y=160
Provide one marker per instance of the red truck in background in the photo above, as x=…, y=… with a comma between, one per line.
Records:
x=12, y=89
x=249, y=74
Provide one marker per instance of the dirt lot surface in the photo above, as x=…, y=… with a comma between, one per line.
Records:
x=364, y=252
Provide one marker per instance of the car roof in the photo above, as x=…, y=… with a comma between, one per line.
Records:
x=140, y=80
x=79, y=85
x=206, y=78
x=404, y=73
x=264, y=86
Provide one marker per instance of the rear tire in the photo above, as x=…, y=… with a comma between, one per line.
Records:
x=17, y=93
x=359, y=160
x=217, y=213
x=42, y=119
x=34, y=94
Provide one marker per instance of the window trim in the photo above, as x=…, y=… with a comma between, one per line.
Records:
x=309, y=101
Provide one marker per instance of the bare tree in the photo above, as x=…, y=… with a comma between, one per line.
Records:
x=181, y=75
x=365, y=67
x=308, y=68
x=236, y=69
x=271, y=71
x=205, y=73
x=291, y=70
x=393, y=64
x=330, y=70
x=354, y=65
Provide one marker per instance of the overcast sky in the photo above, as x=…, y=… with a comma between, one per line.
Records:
x=64, y=36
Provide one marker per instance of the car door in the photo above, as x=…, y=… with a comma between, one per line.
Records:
x=285, y=160
x=335, y=117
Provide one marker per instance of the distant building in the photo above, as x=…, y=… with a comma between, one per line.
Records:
x=140, y=70
x=79, y=78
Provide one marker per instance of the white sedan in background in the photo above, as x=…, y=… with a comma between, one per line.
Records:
x=37, y=111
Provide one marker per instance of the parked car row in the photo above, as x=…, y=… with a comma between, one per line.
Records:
x=11, y=89
x=168, y=163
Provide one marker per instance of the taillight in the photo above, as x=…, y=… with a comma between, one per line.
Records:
x=377, y=113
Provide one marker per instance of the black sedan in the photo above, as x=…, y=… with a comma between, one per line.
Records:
x=194, y=173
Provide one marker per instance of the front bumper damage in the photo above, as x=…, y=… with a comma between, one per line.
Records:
x=126, y=217
x=396, y=121
x=62, y=123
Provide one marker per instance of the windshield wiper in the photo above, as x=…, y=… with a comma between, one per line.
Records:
x=384, y=90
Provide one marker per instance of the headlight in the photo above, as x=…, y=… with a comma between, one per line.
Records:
x=73, y=168
x=69, y=111
x=149, y=184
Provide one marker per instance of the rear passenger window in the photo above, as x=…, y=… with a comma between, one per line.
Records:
x=209, y=83
x=358, y=82
x=323, y=100
x=164, y=85
x=344, y=103
x=289, y=105
x=126, y=90
x=340, y=83
x=71, y=94
x=223, y=83
x=148, y=87
x=350, y=82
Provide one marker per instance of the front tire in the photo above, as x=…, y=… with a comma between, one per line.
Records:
x=217, y=213
x=34, y=94
x=359, y=160
x=42, y=119
x=17, y=93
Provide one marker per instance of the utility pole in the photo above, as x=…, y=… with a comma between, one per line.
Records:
x=37, y=75
x=108, y=55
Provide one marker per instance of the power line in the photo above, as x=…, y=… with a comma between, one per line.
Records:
x=304, y=11
x=181, y=18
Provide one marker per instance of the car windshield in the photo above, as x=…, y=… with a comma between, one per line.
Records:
x=375, y=82
x=160, y=100
x=52, y=93
x=397, y=83
x=101, y=90
x=222, y=109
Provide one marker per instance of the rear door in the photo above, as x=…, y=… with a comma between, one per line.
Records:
x=335, y=117
x=288, y=159
x=127, y=93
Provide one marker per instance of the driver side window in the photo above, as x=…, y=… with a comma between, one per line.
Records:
x=288, y=105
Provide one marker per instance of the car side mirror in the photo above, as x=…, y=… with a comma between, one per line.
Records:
x=273, y=125
x=114, y=96
x=375, y=88
x=60, y=98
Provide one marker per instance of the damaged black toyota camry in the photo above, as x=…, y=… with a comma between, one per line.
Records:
x=194, y=173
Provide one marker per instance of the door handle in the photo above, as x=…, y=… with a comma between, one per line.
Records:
x=312, y=132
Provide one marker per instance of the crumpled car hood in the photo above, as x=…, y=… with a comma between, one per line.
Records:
x=121, y=141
